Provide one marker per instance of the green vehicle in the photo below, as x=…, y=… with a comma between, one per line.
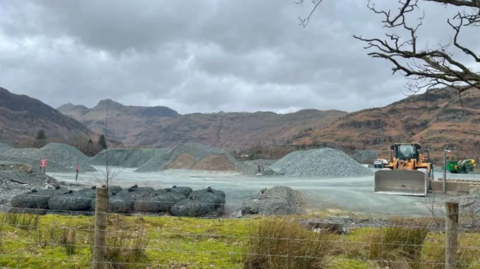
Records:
x=462, y=166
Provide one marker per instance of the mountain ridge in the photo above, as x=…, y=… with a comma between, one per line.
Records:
x=22, y=117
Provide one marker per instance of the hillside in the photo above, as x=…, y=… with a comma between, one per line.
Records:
x=124, y=122
x=21, y=117
x=162, y=126
x=437, y=119
x=236, y=131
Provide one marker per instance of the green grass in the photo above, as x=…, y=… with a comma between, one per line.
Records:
x=53, y=241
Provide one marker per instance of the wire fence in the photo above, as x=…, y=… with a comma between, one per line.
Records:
x=134, y=239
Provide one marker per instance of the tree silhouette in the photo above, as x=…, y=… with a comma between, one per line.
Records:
x=102, y=142
x=41, y=135
x=425, y=67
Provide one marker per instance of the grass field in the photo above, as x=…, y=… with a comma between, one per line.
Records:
x=54, y=241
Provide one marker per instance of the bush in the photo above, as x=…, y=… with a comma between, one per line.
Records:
x=23, y=221
x=280, y=244
x=399, y=246
x=126, y=242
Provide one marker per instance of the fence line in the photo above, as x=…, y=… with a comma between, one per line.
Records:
x=112, y=239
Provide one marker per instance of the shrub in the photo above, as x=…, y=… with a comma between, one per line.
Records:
x=126, y=242
x=23, y=221
x=279, y=243
x=399, y=246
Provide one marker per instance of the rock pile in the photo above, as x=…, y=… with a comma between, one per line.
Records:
x=323, y=162
x=60, y=157
x=4, y=145
x=17, y=178
x=278, y=200
x=195, y=156
x=130, y=158
x=177, y=201
x=365, y=156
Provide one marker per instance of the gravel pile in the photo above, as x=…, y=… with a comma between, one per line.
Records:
x=129, y=158
x=364, y=156
x=5, y=145
x=324, y=162
x=195, y=156
x=60, y=157
x=276, y=201
x=278, y=165
x=17, y=178
x=468, y=203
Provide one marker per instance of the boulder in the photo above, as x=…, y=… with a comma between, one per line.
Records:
x=116, y=205
x=183, y=190
x=70, y=202
x=202, y=203
x=36, y=198
x=207, y=191
x=158, y=202
x=92, y=192
x=278, y=200
x=123, y=201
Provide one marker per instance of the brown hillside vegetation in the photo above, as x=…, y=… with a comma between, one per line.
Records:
x=233, y=131
x=440, y=118
x=214, y=162
x=437, y=119
x=22, y=117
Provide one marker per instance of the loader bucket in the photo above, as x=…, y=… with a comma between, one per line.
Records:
x=401, y=182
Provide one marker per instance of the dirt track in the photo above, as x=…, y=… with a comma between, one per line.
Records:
x=352, y=194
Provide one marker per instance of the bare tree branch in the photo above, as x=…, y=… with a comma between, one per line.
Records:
x=427, y=68
x=306, y=20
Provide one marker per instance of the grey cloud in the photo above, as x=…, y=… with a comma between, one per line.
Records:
x=202, y=56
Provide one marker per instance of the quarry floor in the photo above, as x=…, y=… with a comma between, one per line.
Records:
x=342, y=194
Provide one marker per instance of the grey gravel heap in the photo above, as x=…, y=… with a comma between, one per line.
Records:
x=130, y=158
x=60, y=157
x=278, y=165
x=364, y=156
x=5, y=145
x=160, y=161
x=17, y=178
x=323, y=162
x=468, y=203
x=278, y=200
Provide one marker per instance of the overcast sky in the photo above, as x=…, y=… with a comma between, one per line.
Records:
x=202, y=56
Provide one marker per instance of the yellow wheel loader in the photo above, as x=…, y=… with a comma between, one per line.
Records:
x=401, y=175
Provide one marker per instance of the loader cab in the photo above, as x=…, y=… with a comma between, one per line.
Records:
x=405, y=151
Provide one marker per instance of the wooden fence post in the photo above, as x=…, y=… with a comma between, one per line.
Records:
x=451, y=235
x=100, y=242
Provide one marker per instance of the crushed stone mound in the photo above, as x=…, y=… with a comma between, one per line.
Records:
x=215, y=162
x=277, y=201
x=130, y=158
x=278, y=165
x=17, y=178
x=60, y=157
x=5, y=145
x=195, y=156
x=183, y=161
x=323, y=162
x=364, y=156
